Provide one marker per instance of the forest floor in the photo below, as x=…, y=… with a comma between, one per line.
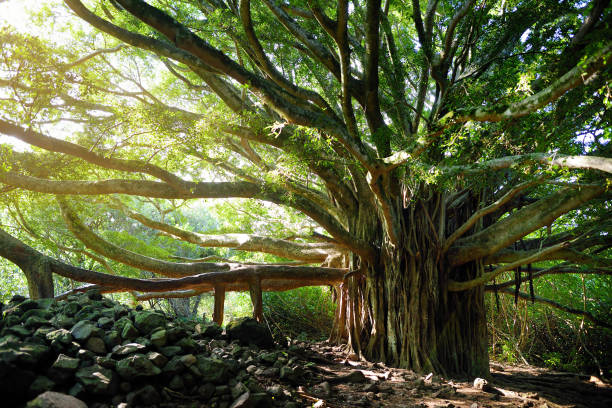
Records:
x=509, y=386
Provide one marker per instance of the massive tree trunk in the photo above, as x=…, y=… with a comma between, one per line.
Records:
x=397, y=309
x=412, y=292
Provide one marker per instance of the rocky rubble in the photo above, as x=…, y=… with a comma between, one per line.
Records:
x=105, y=354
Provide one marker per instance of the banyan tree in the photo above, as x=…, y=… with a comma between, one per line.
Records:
x=430, y=146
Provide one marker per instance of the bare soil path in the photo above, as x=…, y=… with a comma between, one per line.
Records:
x=338, y=384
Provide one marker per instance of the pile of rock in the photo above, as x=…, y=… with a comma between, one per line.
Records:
x=106, y=354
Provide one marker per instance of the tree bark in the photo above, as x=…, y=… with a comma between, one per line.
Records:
x=398, y=310
x=219, y=304
x=40, y=279
x=256, y=299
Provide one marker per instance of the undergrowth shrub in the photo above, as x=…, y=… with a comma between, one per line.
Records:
x=533, y=334
x=305, y=313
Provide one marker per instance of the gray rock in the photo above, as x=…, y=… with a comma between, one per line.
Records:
x=261, y=399
x=243, y=401
x=24, y=306
x=112, y=339
x=249, y=331
x=159, y=338
x=77, y=390
x=275, y=390
x=156, y=358
x=96, y=345
x=129, y=348
x=62, y=336
x=120, y=323
x=176, y=383
x=270, y=372
x=269, y=358
x=105, y=322
x=187, y=345
x=238, y=389
x=41, y=384
x=85, y=354
x=35, y=321
x=106, y=362
x=188, y=360
x=213, y=370
x=147, y=321
x=136, y=366
x=129, y=332
x=63, y=321
x=170, y=351
x=96, y=379
x=146, y=396
x=206, y=391
x=325, y=388
x=37, y=352
x=65, y=363
x=174, y=366
x=18, y=331
x=52, y=399
x=82, y=330
x=289, y=374
x=210, y=330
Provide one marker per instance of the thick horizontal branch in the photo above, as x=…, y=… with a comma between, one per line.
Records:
x=520, y=223
x=455, y=286
x=61, y=146
x=237, y=278
x=154, y=189
x=555, y=270
x=144, y=188
x=570, y=254
x=316, y=252
x=217, y=258
x=546, y=159
x=486, y=210
x=556, y=305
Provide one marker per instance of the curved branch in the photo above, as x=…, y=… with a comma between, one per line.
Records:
x=578, y=75
x=554, y=270
x=145, y=188
x=520, y=223
x=455, y=286
x=557, y=305
x=237, y=278
x=154, y=189
x=372, y=106
x=268, y=67
x=569, y=254
x=487, y=210
x=450, y=30
x=124, y=256
x=321, y=53
x=61, y=146
x=546, y=159
x=243, y=242
x=93, y=55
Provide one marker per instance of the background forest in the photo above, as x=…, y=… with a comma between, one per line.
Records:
x=62, y=78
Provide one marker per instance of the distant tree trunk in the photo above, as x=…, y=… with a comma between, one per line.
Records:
x=181, y=307
x=399, y=310
x=40, y=279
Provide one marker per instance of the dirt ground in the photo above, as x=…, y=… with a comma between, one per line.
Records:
x=509, y=386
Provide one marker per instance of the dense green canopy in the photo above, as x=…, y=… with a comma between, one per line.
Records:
x=407, y=153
